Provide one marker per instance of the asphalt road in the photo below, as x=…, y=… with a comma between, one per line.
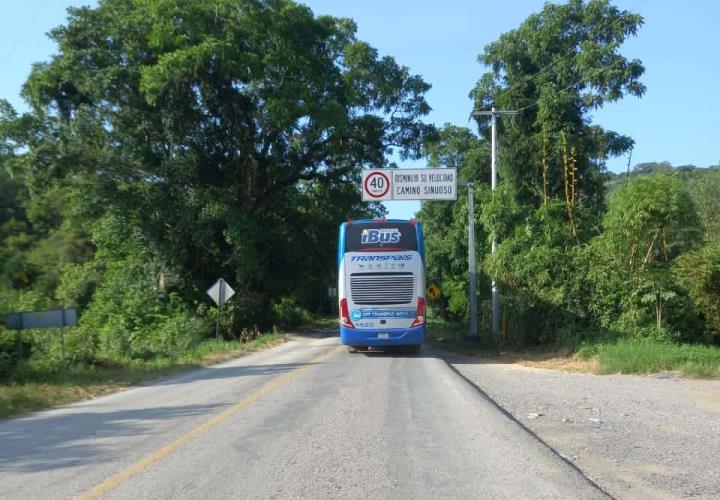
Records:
x=303, y=420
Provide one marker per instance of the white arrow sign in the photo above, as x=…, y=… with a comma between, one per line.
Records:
x=220, y=292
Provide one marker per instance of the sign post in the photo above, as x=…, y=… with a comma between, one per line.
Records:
x=62, y=339
x=18, y=341
x=220, y=292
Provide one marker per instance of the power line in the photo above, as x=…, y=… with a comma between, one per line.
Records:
x=572, y=52
x=537, y=101
x=15, y=45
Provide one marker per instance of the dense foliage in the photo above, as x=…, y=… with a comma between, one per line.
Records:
x=170, y=143
x=173, y=142
x=583, y=254
x=446, y=223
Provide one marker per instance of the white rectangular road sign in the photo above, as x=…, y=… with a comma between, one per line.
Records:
x=424, y=184
x=409, y=184
x=55, y=318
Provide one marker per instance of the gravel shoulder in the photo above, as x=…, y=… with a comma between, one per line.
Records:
x=654, y=436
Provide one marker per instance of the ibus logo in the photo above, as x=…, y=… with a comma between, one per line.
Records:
x=370, y=236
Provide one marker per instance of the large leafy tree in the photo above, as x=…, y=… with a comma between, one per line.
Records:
x=704, y=186
x=556, y=68
x=699, y=271
x=226, y=136
x=445, y=224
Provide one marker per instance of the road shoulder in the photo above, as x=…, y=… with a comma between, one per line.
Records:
x=635, y=436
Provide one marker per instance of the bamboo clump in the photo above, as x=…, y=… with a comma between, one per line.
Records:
x=544, y=164
x=569, y=173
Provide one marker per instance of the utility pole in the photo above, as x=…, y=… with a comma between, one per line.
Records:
x=472, y=292
x=471, y=261
x=493, y=113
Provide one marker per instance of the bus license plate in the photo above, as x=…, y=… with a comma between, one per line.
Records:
x=383, y=336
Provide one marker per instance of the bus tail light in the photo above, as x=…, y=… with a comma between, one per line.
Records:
x=420, y=313
x=345, y=315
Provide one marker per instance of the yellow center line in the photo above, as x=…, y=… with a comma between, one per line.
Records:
x=110, y=484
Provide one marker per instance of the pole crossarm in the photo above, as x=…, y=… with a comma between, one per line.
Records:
x=509, y=112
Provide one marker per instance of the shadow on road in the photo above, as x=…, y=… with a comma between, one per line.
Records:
x=395, y=352
x=213, y=373
x=75, y=439
x=70, y=438
x=325, y=333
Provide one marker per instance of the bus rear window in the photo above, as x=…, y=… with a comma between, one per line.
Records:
x=385, y=236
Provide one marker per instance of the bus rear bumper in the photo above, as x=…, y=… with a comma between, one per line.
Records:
x=374, y=336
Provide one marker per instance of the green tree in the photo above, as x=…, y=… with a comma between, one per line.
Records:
x=445, y=224
x=650, y=222
x=228, y=136
x=699, y=270
x=704, y=186
x=652, y=167
x=557, y=67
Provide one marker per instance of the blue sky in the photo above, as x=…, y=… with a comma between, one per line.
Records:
x=677, y=119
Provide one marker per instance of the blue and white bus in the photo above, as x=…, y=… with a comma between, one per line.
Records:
x=381, y=284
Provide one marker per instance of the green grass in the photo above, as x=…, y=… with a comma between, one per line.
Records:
x=437, y=328
x=627, y=356
x=452, y=336
x=39, y=385
x=320, y=322
x=612, y=356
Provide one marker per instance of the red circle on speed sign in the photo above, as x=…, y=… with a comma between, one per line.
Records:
x=377, y=185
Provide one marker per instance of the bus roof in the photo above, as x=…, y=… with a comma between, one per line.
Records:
x=379, y=221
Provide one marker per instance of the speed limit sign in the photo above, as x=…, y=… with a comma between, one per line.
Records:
x=376, y=186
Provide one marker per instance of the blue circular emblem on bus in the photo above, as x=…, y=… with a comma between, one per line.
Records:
x=356, y=315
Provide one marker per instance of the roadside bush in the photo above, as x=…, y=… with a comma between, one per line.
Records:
x=699, y=271
x=7, y=353
x=543, y=274
x=78, y=283
x=180, y=333
x=455, y=292
x=631, y=288
x=654, y=334
x=130, y=315
x=81, y=346
x=288, y=314
x=651, y=219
